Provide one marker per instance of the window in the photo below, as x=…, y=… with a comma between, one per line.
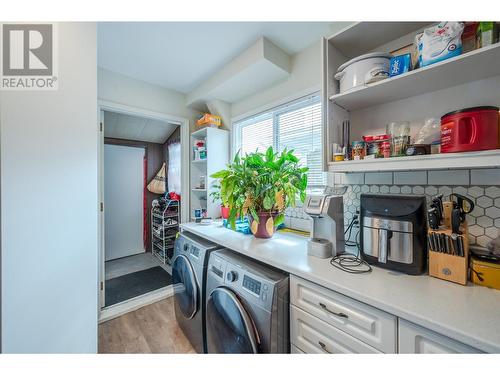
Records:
x=296, y=126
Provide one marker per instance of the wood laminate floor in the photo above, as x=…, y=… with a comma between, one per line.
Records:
x=151, y=329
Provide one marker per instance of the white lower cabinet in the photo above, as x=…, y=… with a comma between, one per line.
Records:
x=372, y=328
x=312, y=335
x=324, y=321
x=416, y=339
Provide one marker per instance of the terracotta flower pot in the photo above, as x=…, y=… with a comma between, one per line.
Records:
x=265, y=227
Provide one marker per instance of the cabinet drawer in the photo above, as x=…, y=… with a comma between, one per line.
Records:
x=312, y=335
x=417, y=339
x=372, y=326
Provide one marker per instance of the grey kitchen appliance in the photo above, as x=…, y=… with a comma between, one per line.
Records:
x=327, y=234
x=189, y=271
x=393, y=232
x=247, y=306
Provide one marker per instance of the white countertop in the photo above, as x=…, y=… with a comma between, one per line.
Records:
x=470, y=314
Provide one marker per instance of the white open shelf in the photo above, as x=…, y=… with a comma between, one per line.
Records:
x=463, y=160
x=217, y=146
x=360, y=37
x=472, y=66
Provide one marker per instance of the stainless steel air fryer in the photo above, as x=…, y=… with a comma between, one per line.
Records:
x=393, y=232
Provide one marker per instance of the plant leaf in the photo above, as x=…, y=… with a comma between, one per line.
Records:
x=254, y=214
x=268, y=202
x=270, y=154
x=220, y=174
x=302, y=196
x=279, y=219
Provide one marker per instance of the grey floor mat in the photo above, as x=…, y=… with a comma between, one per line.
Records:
x=135, y=284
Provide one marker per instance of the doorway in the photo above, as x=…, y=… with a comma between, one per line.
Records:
x=135, y=148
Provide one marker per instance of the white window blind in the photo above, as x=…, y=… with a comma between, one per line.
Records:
x=296, y=126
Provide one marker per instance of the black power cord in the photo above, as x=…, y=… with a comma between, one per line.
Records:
x=351, y=263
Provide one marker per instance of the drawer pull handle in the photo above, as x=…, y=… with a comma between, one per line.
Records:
x=340, y=315
x=323, y=347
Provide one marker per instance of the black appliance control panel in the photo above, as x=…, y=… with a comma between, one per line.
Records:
x=252, y=285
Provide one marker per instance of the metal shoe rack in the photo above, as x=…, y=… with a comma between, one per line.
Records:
x=164, y=228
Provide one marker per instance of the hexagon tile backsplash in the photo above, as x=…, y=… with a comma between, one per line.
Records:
x=484, y=221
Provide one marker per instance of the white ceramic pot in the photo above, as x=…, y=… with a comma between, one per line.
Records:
x=363, y=69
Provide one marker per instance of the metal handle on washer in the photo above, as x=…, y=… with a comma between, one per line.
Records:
x=323, y=346
x=341, y=315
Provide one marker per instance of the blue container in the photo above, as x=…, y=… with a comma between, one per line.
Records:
x=399, y=65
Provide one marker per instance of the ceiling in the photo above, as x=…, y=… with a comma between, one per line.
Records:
x=181, y=55
x=122, y=126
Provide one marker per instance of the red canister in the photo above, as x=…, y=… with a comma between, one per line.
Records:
x=470, y=129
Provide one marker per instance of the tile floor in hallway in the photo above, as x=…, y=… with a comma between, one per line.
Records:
x=151, y=329
x=123, y=266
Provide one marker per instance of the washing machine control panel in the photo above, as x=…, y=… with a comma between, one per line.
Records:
x=232, y=276
x=252, y=285
x=195, y=252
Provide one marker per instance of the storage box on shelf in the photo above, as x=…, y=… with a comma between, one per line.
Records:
x=468, y=80
x=216, y=158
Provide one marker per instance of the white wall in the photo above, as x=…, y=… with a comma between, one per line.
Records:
x=49, y=206
x=305, y=77
x=124, y=90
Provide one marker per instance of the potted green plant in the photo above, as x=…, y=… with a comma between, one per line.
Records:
x=261, y=186
x=216, y=197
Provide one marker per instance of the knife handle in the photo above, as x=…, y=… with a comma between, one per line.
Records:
x=455, y=221
x=433, y=218
x=447, y=209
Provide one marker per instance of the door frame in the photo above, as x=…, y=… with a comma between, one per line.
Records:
x=103, y=105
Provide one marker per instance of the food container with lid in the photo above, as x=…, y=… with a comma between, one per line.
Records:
x=470, y=129
x=338, y=156
x=363, y=69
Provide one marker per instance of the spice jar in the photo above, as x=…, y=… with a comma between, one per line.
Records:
x=386, y=149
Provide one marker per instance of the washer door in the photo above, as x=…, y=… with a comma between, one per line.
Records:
x=230, y=328
x=185, y=287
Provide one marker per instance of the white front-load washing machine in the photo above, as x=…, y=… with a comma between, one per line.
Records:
x=247, y=306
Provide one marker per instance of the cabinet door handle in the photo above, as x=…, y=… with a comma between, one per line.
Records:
x=340, y=315
x=323, y=347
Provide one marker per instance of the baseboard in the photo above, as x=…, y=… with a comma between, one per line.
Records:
x=111, y=312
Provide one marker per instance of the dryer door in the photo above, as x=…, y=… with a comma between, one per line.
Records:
x=230, y=328
x=185, y=286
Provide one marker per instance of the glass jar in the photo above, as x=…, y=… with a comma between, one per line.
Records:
x=400, y=137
